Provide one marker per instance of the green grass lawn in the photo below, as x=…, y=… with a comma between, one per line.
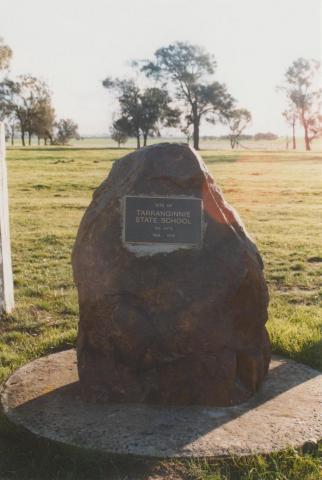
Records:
x=279, y=197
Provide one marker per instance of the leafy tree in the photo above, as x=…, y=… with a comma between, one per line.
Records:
x=190, y=69
x=25, y=104
x=66, y=130
x=155, y=104
x=303, y=90
x=129, y=100
x=5, y=55
x=142, y=111
x=23, y=99
x=237, y=120
x=43, y=120
x=119, y=131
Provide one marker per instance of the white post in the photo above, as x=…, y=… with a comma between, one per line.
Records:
x=6, y=282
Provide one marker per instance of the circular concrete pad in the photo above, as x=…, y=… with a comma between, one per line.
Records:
x=43, y=396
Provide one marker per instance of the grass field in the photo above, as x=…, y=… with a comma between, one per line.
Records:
x=278, y=195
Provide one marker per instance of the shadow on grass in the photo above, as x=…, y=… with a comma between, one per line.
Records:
x=27, y=457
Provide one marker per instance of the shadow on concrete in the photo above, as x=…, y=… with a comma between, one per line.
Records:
x=61, y=415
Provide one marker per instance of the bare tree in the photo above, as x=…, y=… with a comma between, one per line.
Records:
x=237, y=120
x=303, y=90
x=66, y=130
x=186, y=127
x=12, y=127
x=291, y=116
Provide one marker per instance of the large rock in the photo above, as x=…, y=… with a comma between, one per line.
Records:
x=168, y=323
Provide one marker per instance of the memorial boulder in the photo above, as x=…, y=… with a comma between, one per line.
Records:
x=172, y=297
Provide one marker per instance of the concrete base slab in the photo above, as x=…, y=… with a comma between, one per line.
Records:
x=43, y=396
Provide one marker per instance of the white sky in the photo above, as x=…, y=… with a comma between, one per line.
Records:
x=75, y=44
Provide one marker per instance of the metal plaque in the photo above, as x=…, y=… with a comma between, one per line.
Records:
x=169, y=220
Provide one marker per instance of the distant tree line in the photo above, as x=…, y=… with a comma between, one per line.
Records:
x=258, y=136
x=180, y=90
x=26, y=107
